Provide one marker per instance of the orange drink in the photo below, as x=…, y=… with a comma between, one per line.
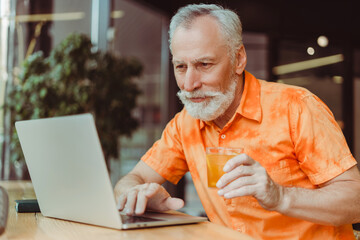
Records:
x=216, y=157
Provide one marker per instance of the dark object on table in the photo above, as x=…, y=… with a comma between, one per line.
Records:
x=27, y=205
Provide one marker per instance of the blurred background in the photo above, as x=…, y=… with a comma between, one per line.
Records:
x=314, y=44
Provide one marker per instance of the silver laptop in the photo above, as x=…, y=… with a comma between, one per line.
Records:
x=70, y=177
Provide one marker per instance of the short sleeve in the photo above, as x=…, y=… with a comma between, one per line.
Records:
x=166, y=156
x=320, y=145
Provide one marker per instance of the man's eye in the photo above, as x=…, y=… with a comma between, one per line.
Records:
x=180, y=66
x=205, y=64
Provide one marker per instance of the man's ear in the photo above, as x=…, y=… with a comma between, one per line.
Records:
x=240, y=60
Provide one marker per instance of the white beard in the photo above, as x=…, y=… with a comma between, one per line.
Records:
x=212, y=108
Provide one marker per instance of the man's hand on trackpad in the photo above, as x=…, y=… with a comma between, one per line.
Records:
x=151, y=196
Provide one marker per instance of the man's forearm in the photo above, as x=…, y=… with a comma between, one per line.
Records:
x=336, y=204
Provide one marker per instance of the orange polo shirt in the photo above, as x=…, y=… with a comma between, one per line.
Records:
x=287, y=129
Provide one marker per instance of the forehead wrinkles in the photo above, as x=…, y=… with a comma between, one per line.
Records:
x=193, y=53
x=191, y=23
x=206, y=25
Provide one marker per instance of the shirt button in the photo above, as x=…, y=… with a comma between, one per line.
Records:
x=223, y=136
x=240, y=228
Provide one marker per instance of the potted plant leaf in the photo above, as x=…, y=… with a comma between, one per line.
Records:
x=73, y=80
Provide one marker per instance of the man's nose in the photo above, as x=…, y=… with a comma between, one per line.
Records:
x=192, y=80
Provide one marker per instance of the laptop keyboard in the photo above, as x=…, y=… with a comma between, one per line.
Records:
x=137, y=219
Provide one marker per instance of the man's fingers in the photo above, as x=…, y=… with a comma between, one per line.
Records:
x=131, y=202
x=174, y=203
x=238, y=183
x=240, y=192
x=147, y=191
x=151, y=189
x=141, y=203
x=239, y=171
x=135, y=201
x=242, y=159
x=121, y=202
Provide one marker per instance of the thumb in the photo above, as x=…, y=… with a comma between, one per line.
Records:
x=174, y=203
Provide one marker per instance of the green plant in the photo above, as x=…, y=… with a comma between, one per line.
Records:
x=73, y=80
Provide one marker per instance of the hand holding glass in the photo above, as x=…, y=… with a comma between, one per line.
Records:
x=216, y=158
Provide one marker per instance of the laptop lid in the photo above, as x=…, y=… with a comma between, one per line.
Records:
x=68, y=170
x=70, y=178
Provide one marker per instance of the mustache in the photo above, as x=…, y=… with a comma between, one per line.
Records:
x=182, y=94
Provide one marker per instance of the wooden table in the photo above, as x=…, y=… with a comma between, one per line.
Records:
x=36, y=226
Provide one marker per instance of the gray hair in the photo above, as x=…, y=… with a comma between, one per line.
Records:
x=228, y=21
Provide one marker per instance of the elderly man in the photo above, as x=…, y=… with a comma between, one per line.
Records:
x=297, y=178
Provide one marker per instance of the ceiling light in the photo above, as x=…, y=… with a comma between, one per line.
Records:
x=50, y=17
x=323, y=41
x=313, y=63
x=310, y=51
x=338, y=79
x=117, y=14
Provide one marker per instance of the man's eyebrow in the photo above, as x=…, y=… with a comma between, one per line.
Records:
x=202, y=59
x=177, y=62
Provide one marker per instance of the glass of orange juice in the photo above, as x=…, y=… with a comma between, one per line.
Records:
x=216, y=157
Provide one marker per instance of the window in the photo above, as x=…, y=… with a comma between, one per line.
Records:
x=27, y=26
x=140, y=32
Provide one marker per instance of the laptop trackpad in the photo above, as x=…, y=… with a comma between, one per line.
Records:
x=136, y=219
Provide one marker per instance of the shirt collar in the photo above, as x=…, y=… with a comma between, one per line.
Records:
x=250, y=106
